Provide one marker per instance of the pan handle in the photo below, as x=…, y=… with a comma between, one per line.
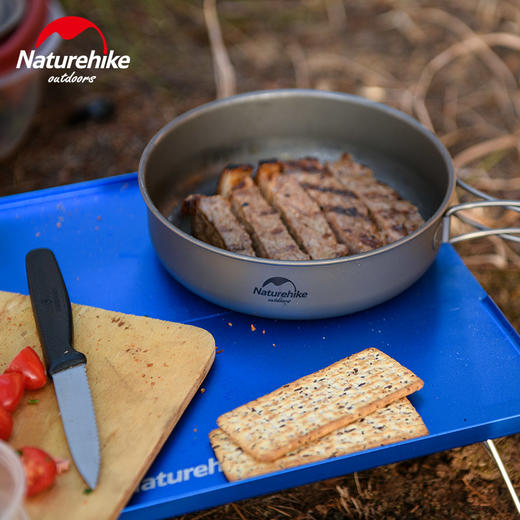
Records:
x=484, y=231
x=478, y=193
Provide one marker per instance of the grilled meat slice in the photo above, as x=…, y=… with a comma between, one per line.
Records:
x=300, y=213
x=213, y=222
x=270, y=236
x=346, y=214
x=233, y=177
x=395, y=217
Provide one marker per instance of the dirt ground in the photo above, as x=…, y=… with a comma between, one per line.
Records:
x=421, y=57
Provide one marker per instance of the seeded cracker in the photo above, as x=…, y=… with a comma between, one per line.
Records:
x=396, y=422
x=317, y=404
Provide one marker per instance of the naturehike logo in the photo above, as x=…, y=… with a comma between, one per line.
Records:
x=279, y=290
x=69, y=27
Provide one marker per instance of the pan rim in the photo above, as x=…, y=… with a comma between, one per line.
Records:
x=283, y=93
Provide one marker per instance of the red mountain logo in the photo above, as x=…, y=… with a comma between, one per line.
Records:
x=68, y=27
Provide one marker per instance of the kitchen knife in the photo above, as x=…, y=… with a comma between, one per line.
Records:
x=53, y=315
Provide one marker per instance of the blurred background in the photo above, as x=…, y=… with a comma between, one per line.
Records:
x=453, y=65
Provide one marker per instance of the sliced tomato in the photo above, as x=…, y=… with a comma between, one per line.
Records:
x=11, y=390
x=28, y=363
x=6, y=424
x=40, y=469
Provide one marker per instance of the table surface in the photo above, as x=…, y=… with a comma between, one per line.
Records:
x=444, y=328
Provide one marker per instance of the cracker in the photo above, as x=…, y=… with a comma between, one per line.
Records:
x=319, y=403
x=396, y=422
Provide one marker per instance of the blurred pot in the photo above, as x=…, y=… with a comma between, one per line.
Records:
x=11, y=14
x=20, y=88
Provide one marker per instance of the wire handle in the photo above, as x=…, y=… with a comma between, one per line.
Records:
x=478, y=193
x=484, y=231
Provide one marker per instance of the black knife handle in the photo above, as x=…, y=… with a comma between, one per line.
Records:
x=52, y=310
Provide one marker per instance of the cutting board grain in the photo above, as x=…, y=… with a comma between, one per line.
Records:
x=142, y=373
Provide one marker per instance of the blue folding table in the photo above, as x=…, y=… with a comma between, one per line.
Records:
x=444, y=328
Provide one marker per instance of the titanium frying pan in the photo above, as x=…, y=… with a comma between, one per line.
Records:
x=188, y=154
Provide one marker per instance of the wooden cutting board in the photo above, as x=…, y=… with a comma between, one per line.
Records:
x=142, y=374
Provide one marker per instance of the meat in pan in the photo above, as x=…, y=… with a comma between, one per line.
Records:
x=395, y=217
x=347, y=215
x=270, y=237
x=213, y=222
x=299, y=212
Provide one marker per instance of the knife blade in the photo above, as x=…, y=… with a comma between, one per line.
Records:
x=65, y=365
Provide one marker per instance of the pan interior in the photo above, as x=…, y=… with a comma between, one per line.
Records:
x=188, y=157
